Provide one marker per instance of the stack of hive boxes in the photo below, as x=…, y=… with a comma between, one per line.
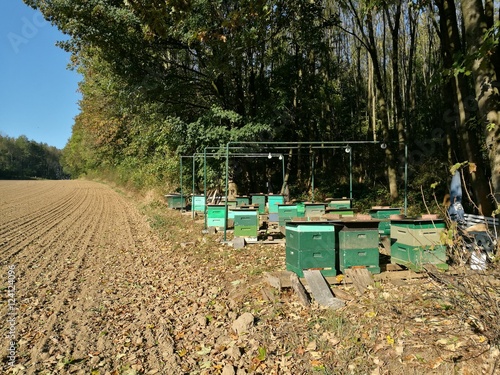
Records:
x=260, y=200
x=198, y=203
x=246, y=222
x=216, y=215
x=418, y=242
x=312, y=245
x=358, y=245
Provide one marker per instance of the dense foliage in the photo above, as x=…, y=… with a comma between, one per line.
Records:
x=23, y=158
x=170, y=78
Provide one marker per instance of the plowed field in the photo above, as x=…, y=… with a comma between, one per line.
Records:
x=95, y=282
x=78, y=249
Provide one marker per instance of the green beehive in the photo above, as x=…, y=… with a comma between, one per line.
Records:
x=301, y=209
x=416, y=257
x=417, y=242
x=175, y=201
x=259, y=199
x=344, y=212
x=198, y=203
x=249, y=232
x=245, y=217
x=273, y=201
x=358, y=245
x=230, y=206
x=368, y=258
x=246, y=222
x=384, y=214
x=340, y=203
x=358, y=238
x=314, y=210
x=311, y=245
x=242, y=200
x=216, y=215
x=287, y=212
x=417, y=232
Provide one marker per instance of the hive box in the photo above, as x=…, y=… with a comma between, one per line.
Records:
x=175, y=201
x=314, y=210
x=287, y=212
x=198, y=203
x=312, y=245
x=259, y=199
x=273, y=201
x=358, y=245
x=242, y=200
x=216, y=215
x=246, y=223
x=417, y=242
x=340, y=203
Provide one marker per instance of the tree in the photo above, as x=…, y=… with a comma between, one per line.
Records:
x=481, y=47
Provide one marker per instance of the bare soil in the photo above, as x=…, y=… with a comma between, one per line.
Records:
x=110, y=283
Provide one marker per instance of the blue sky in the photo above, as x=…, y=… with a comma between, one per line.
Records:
x=38, y=94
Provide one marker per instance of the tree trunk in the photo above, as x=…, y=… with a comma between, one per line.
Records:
x=397, y=93
x=467, y=137
x=487, y=96
x=382, y=107
x=372, y=100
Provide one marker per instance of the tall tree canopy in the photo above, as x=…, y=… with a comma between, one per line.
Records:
x=24, y=158
x=176, y=76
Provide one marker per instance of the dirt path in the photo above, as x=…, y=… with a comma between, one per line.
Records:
x=79, y=250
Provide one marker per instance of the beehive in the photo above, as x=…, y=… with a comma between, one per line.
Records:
x=417, y=242
x=273, y=201
x=358, y=245
x=216, y=215
x=246, y=222
x=259, y=199
x=175, y=201
x=312, y=245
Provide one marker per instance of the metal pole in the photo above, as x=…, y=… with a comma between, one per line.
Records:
x=192, y=194
x=181, y=183
x=350, y=174
x=283, y=173
x=227, y=183
x=205, y=186
x=406, y=178
x=312, y=176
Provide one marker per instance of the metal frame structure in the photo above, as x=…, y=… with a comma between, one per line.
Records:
x=214, y=155
x=319, y=145
x=271, y=146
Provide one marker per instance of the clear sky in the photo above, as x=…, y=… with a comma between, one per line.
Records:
x=38, y=94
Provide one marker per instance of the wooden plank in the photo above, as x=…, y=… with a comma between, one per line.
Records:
x=299, y=289
x=278, y=279
x=390, y=267
x=253, y=241
x=342, y=294
x=399, y=275
x=321, y=290
x=361, y=278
